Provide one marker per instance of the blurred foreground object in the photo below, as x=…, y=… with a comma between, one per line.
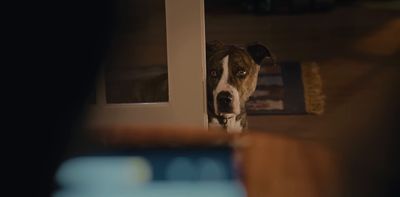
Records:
x=208, y=163
x=173, y=172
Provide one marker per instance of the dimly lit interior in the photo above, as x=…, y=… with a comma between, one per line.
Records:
x=139, y=123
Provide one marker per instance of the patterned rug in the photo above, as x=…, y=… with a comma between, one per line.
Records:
x=288, y=88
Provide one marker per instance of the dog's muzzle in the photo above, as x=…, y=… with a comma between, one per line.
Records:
x=224, y=101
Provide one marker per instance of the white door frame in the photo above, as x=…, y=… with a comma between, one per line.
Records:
x=187, y=104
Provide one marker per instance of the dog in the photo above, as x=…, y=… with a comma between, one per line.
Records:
x=232, y=73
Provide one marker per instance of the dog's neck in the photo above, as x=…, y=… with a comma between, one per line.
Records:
x=234, y=123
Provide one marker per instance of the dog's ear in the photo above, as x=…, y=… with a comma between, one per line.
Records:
x=260, y=54
x=214, y=45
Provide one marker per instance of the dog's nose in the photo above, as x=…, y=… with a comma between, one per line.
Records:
x=224, y=100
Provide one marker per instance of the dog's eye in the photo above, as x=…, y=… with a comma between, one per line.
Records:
x=213, y=73
x=241, y=73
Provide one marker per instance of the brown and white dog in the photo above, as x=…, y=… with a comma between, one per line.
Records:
x=232, y=74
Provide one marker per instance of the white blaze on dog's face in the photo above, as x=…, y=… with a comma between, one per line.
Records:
x=226, y=91
x=231, y=78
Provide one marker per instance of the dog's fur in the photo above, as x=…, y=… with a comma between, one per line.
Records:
x=232, y=71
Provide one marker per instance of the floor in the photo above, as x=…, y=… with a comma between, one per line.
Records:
x=358, y=50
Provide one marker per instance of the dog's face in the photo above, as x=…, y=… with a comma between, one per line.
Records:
x=232, y=76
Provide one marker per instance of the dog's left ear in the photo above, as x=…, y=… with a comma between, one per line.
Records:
x=260, y=54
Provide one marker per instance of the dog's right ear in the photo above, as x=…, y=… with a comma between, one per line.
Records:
x=260, y=54
x=212, y=46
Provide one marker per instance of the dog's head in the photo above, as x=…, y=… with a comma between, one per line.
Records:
x=232, y=76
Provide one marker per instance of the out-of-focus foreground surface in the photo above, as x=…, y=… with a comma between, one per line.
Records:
x=270, y=164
